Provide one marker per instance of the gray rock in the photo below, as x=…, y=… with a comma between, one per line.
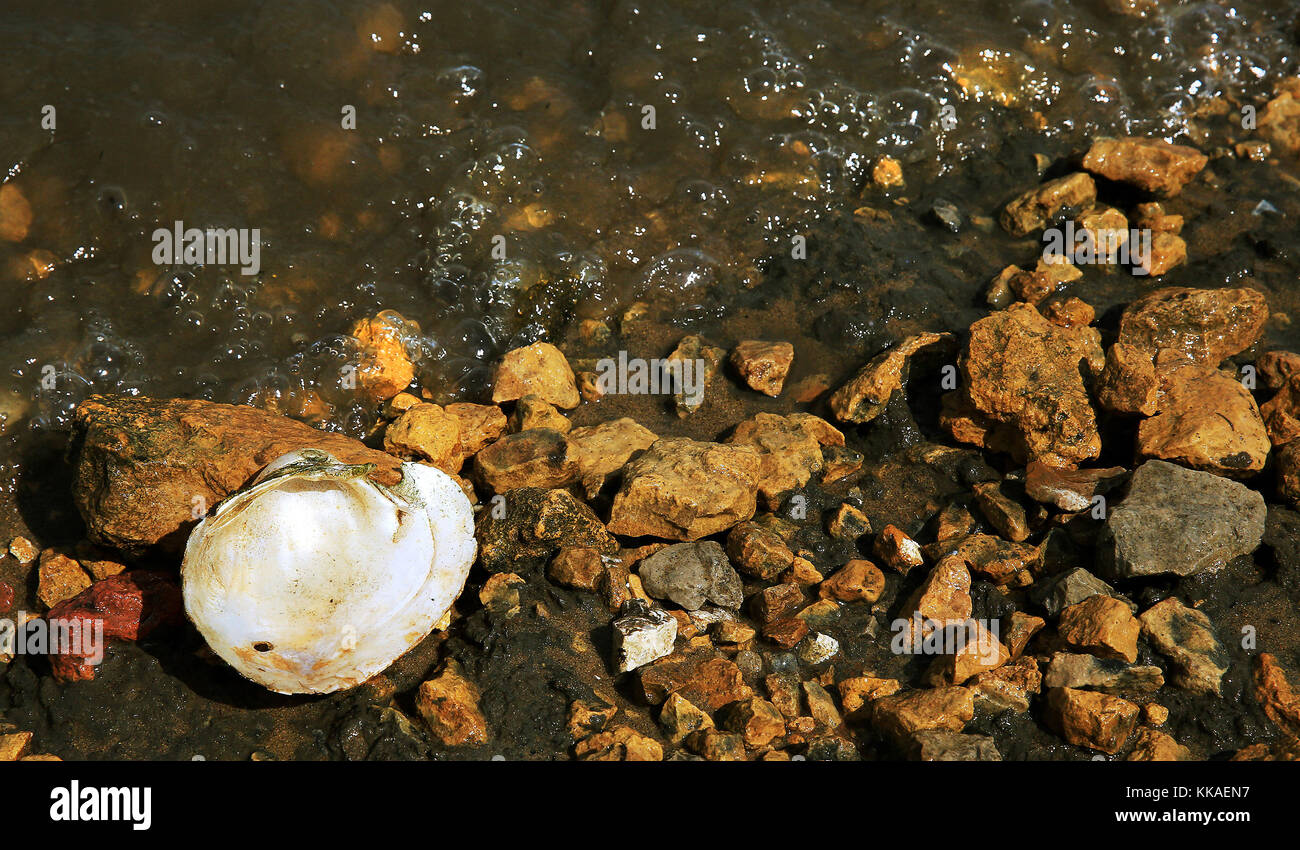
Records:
x=1180, y=521
x=642, y=634
x=1071, y=588
x=1186, y=637
x=692, y=574
x=945, y=745
x=1072, y=670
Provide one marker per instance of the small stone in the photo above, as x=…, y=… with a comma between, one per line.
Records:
x=536, y=458
x=1155, y=714
x=943, y=597
x=1090, y=719
x=980, y=652
x=786, y=633
x=841, y=462
x=1020, y=629
x=60, y=578
x=733, y=633
x=15, y=213
x=783, y=690
x=539, y=369
x=821, y=706
x=500, y=593
x=758, y=551
x=756, y=720
x=577, y=567
x=903, y=714
x=533, y=411
x=24, y=550
x=534, y=525
x=1071, y=670
x=857, y=693
x=857, y=581
x=128, y=606
x=480, y=424
x=713, y=745
x=385, y=369
x=1152, y=165
x=1069, y=588
x=1277, y=368
x=1002, y=512
x=818, y=649
x=943, y=745
x=680, y=489
x=13, y=745
x=899, y=552
x=1280, y=119
x=1186, y=637
x=706, y=681
x=789, y=451
x=1009, y=687
x=802, y=572
x=1035, y=208
x=1103, y=626
x=848, y=523
x=808, y=389
x=887, y=173
x=642, y=635
x=619, y=744
x=867, y=393
x=426, y=432
x=585, y=720
x=953, y=521
x=399, y=404
x=692, y=574
x=763, y=365
x=776, y=602
x=1069, y=489
x=702, y=360
x=101, y=569
x=1273, y=693
x=1180, y=521
x=602, y=450
x=1167, y=252
x=449, y=704
x=680, y=717
x=1128, y=383
x=1154, y=745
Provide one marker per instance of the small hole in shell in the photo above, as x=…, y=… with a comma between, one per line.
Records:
x=263, y=646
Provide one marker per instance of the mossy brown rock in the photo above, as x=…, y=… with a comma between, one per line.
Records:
x=524, y=530
x=149, y=469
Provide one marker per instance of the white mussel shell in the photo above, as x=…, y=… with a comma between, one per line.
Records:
x=314, y=578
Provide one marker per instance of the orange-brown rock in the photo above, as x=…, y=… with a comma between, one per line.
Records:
x=708, y=682
x=1091, y=719
x=789, y=451
x=1168, y=251
x=1205, y=325
x=449, y=704
x=1023, y=371
x=533, y=411
x=1069, y=312
x=385, y=368
x=758, y=551
x=1281, y=413
x=601, y=450
x=1273, y=693
x=1280, y=119
x=1035, y=208
x=775, y=602
x=899, y=552
x=1277, y=368
x=681, y=489
x=1152, y=165
x=1152, y=216
x=756, y=720
x=1003, y=513
x=848, y=523
x=901, y=714
x=1207, y=421
x=59, y=578
x=149, y=469
x=786, y=633
x=621, y=743
x=426, y=432
x=1069, y=489
x=1128, y=383
x=693, y=353
x=1103, y=626
x=585, y=719
x=865, y=395
x=857, y=581
x=480, y=424
x=980, y=652
x=1154, y=745
x=1008, y=687
x=576, y=566
x=539, y=369
x=535, y=458
x=1020, y=630
x=15, y=213
x=680, y=717
x=859, y=692
x=763, y=365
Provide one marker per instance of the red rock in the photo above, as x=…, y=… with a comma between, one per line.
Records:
x=131, y=606
x=1128, y=383
x=1277, y=368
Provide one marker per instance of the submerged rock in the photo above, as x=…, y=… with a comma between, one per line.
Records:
x=1037, y=207
x=1180, y=521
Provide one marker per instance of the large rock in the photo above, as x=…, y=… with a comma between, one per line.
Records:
x=1205, y=326
x=789, y=450
x=1023, y=371
x=149, y=469
x=1088, y=672
x=1207, y=420
x=681, y=489
x=1180, y=521
x=1090, y=719
x=1187, y=638
x=692, y=574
